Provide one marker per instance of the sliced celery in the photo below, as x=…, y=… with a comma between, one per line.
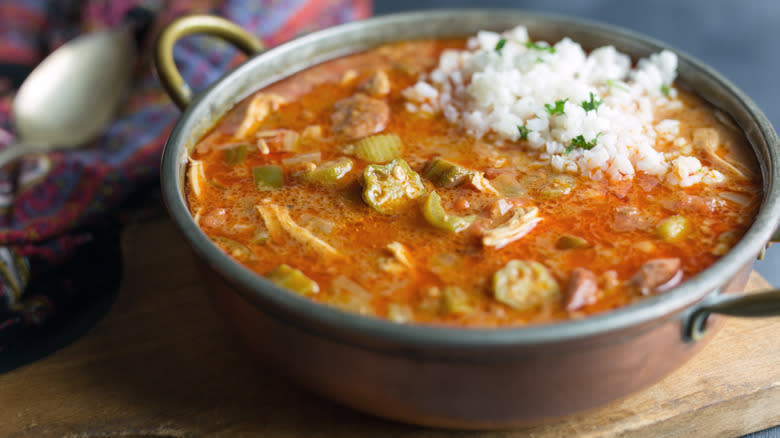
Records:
x=379, y=148
x=236, y=155
x=293, y=279
x=454, y=300
x=268, y=177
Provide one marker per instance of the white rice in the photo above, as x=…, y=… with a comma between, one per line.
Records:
x=488, y=90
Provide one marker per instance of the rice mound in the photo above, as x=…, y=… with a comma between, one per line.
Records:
x=514, y=88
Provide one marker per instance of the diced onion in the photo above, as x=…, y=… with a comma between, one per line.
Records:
x=310, y=157
x=736, y=198
x=290, y=140
x=346, y=284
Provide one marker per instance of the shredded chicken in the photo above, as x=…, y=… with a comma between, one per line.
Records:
x=262, y=146
x=196, y=176
x=500, y=208
x=391, y=265
x=313, y=132
x=377, y=85
x=196, y=216
x=707, y=139
x=262, y=105
x=278, y=221
x=401, y=253
x=523, y=220
x=479, y=182
x=349, y=76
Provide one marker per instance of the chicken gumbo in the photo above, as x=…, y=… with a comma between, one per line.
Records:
x=481, y=182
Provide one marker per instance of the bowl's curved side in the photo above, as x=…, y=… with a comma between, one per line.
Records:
x=484, y=392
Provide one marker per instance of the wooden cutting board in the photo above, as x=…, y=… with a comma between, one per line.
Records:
x=162, y=364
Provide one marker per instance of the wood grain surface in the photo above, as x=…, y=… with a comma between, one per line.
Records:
x=162, y=364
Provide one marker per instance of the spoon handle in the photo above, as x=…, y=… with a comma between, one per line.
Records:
x=18, y=150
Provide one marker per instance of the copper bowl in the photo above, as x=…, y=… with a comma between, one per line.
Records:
x=461, y=378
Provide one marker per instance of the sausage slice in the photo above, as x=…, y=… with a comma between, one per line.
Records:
x=359, y=116
x=658, y=275
x=581, y=289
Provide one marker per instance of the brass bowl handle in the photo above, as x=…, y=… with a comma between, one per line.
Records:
x=754, y=305
x=169, y=75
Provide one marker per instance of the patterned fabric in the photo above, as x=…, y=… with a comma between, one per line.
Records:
x=56, y=207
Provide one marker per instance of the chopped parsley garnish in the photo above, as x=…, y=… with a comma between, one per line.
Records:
x=665, y=90
x=591, y=105
x=523, y=131
x=500, y=45
x=532, y=45
x=580, y=142
x=616, y=84
x=557, y=109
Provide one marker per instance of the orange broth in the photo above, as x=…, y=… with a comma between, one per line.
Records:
x=367, y=278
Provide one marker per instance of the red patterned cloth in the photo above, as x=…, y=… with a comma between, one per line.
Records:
x=57, y=211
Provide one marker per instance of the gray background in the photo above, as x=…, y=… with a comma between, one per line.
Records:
x=741, y=39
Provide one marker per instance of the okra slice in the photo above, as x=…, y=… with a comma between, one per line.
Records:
x=293, y=279
x=443, y=173
x=435, y=215
x=524, y=285
x=558, y=185
x=236, y=154
x=268, y=177
x=387, y=187
x=330, y=172
x=379, y=148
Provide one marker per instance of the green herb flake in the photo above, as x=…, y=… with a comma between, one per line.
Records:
x=591, y=105
x=580, y=142
x=523, y=131
x=665, y=90
x=500, y=45
x=532, y=45
x=616, y=84
x=557, y=109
